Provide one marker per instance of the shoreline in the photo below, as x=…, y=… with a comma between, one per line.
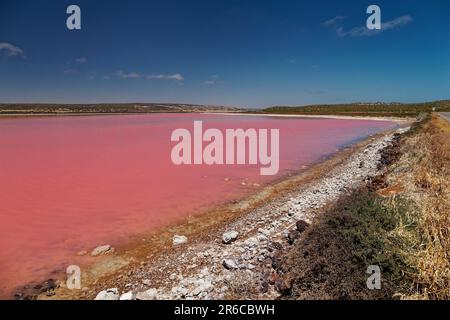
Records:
x=324, y=116
x=231, y=113
x=118, y=269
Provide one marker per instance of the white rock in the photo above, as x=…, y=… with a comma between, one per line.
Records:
x=197, y=291
x=251, y=242
x=82, y=253
x=181, y=291
x=261, y=237
x=150, y=294
x=147, y=282
x=204, y=271
x=203, y=286
x=101, y=250
x=229, y=264
x=127, y=296
x=229, y=237
x=173, y=276
x=108, y=294
x=177, y=240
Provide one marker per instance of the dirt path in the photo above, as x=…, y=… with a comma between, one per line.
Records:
x=446, y=115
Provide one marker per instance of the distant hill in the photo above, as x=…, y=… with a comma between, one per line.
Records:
x=394, y=109
x=17, y=109
x=379, y=109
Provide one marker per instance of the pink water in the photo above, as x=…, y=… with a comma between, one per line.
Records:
x=72, y=183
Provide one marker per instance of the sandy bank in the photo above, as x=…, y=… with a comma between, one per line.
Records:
x=396, y=119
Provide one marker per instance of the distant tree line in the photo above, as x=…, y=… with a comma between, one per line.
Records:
x=365, y=109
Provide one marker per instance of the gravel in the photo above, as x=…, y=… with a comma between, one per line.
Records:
x=251, y=249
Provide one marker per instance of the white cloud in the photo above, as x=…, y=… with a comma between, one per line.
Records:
x=397, y=22
x=209, y=82
x=11, y=50
x=129, y=75
x=156, y=76
x=363, y=31
x=176, y=76
x=135, y=75
x=81, y=60
x=334, y=21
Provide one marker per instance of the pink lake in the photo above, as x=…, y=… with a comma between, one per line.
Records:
x=71, y=183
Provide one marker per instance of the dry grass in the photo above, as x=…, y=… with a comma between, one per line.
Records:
x=429, y=160
x=400, y=222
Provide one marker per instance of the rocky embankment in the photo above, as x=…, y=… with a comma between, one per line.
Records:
x=246, y=259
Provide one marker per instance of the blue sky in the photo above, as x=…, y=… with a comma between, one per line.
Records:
x=225, y=52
